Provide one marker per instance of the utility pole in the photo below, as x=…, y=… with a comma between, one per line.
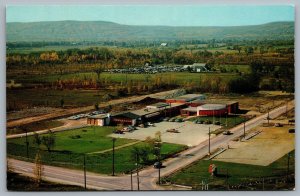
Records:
x=113, y=158
x=288, y=166
x=27, y=144
x=227, y=179
x=226, y=120
x=84, y=170
x=268, y=116
x=137, y=171
x=209, y=141
x=159, y=175
x=244, y=130
x=131, y=183
x=263, y=183
x=213, y=117
x=286, y=109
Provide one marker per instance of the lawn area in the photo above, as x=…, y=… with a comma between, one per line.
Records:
x=237, y=173
x=83, y=140
x=68, y=152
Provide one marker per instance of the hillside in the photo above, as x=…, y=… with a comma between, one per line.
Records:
x=100, y=31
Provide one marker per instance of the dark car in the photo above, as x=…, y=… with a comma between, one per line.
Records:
x=157, y=165
x=227, y=132
x=118, y=132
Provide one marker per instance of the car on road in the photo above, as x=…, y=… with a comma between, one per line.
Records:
x=227, y=132
x=157, y=165
x=172, y=131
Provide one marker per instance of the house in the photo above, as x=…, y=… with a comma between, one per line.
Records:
x=196, y=67
x=99, y=120
x=164, y=44
x=12, y=84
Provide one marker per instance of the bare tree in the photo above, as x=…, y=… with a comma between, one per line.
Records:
x=49, y=140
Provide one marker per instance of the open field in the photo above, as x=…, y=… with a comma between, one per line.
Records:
x=36, y=126
x=190, y=134
x=272, y=141
x=52, y=98
x=240, y=176
x=70, y=146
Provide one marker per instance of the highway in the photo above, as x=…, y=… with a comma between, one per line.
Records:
x=149, y=175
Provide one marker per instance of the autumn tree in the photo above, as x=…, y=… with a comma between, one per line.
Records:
x=38, y=168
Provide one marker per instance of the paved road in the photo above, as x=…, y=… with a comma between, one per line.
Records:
x=149, y=175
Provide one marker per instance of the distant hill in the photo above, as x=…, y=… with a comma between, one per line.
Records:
x=76, y=31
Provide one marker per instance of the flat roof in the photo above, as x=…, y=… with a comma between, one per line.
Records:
x=190, y=109
x=211, y=107
x=189, y=97
x=144, y=111
x=99, y=116
x=160, y=104
x=127, y=114
x=214, y=101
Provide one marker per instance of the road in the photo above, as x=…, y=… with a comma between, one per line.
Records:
x=73, y=111
x=149, y=175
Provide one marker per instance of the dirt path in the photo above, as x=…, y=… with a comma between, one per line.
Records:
x=116, y=148
x=74, y=111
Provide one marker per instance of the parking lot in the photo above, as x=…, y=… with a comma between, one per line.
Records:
x=189, y=134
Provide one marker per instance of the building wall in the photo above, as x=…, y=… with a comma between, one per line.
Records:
x=124, y=121
x=212, y=112
x=97, y=122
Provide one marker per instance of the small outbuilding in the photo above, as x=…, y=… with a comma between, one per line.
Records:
x=99, y=120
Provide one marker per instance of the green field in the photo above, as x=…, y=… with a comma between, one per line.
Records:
x=69, y=151
x=237, y=173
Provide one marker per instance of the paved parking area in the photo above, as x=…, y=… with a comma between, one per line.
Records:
x=190, y=134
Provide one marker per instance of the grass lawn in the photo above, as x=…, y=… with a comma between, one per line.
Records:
x=237, y=173
x=83, y=140
x=68, y=152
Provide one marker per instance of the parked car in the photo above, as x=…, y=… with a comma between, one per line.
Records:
x=178, y=120
x=166, y=119
x=157, y=165
x=118, y=132
x=150, y=124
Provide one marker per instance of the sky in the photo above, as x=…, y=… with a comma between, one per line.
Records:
x=177, y=15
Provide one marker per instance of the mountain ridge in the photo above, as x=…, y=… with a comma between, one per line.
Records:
x=72, y=30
